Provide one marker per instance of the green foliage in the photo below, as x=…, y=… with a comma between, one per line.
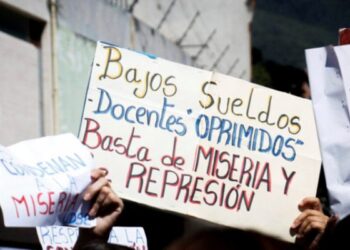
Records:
x=283, y=29
x=261, y=75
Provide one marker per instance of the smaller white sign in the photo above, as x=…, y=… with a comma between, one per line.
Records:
x=42, y=181
x=329, y=74
x=59, y=237
x=133, y=237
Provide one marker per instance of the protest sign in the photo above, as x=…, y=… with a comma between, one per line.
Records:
x=133, y=237
x=42, y=181
x=329, y=75
x=60, y=237
x=200, y=143
x=57, y=237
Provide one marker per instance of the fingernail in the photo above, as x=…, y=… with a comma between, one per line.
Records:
x=105, y=170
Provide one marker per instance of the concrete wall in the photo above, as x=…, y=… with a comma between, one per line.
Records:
x=190, y=23
x=74, y=57
x=76, y=40
x=25, y=68
x=26, y=92
x=100, y=20
x=20, y=114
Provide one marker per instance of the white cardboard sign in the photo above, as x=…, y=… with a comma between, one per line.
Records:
x=60, y=237
x=133, y=237
x=42, y=181
x=329, y=73
x=200, y=143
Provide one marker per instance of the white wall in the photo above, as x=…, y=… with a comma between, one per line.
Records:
x=230, y=19
x=20, y=114
x=77, y=34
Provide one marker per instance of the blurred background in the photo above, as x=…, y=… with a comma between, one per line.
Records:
x=47, y=47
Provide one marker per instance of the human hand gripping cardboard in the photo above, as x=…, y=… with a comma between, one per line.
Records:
x=106, y=207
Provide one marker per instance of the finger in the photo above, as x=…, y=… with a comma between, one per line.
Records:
x=309, y=222
x=314, y=222
x=300, y=230
x=319, y=226
x=103, y=193
x=113, y=201
x=97, y=173
x=105, y=170
x=94, y=188
x=310, y=203
x=297, y=222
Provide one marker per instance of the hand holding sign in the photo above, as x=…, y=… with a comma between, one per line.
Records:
x=106, y=207
x=310, y=225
